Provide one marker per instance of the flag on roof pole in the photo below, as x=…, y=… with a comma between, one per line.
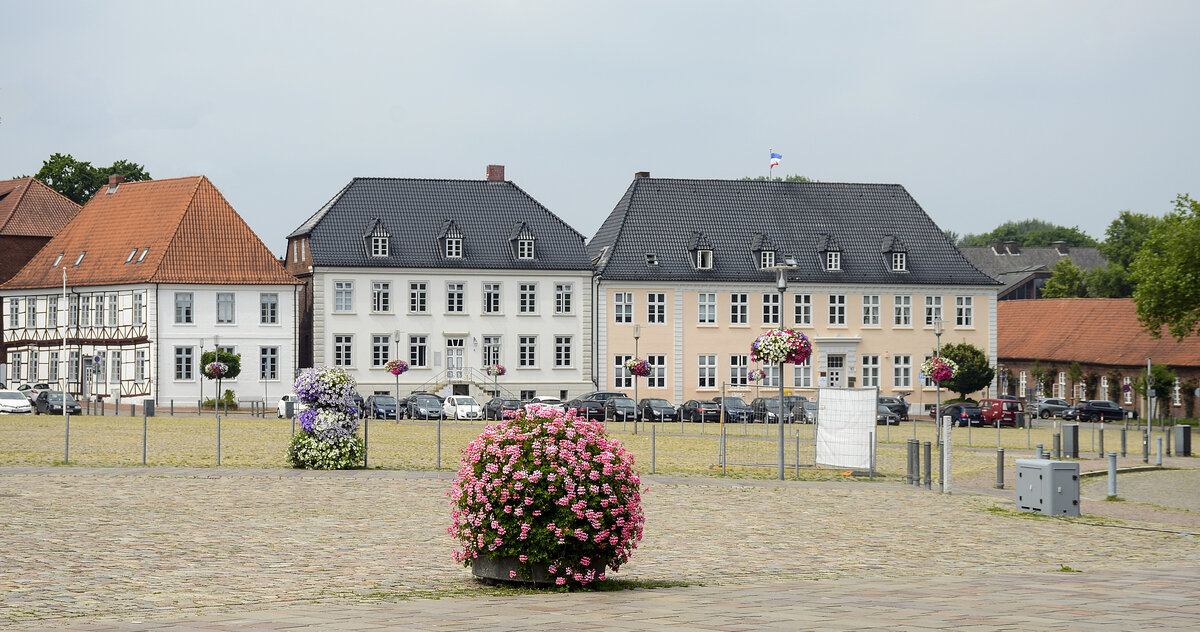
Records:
x=775, y=158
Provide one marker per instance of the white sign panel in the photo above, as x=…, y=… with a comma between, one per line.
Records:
x=846, y=426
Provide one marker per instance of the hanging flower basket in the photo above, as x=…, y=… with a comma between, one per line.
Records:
x=396, y=367
x=637, y=367
x=780, y=346
x=545, y=497
x=495, y=370
x=216, y=369
x=756, y=375
x=939, y=369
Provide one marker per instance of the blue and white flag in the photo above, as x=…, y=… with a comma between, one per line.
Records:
x=775, y=158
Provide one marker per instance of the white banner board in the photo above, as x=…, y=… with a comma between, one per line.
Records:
x=846, y=426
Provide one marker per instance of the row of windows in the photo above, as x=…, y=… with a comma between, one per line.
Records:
x=703, y=260
x=84, y=310
x=836, y=315
x=381, y=349
x=186, y=367
x=707, y=374
x=381, y=247
x=185, y=308
x=491, y=297
x=105, y=371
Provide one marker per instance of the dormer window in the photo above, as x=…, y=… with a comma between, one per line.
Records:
x=142, y=257
x=131, y=254
x=80, y=259
x=57, y=260
x=652, y=259
x=379, y=245
x=899, y=262
x=766, y=259
x=525, y=249
x=895, y=252
x=452, y=240
x=833, y=260
x=454, y=248
x=701, y=250
x=704, y=259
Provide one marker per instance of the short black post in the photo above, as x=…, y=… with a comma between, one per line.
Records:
x=1145, y=446
x=1124, y=431
x=1167, y=435
x=366, y=438
x=143, y=439
x=1101, y=447
x=999, y=468
x=928, y=465
x=172, y=408
x=1057, y=446
x=908, y=473
x=1040, y=453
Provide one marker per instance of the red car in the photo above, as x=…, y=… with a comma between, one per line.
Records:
x=1000, y=411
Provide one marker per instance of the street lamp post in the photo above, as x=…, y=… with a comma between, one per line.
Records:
x=781, y=285
x=637, y=333
x=937, y=331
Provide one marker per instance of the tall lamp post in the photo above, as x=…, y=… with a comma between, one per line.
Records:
x=937, y=352
x=637, y=333
x=781, y=285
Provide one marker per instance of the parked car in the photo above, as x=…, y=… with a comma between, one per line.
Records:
x=462, y=407
x=359, y=404
x=14, y=403
x=424, y=406
x=885, y=417
x=766, y=410
x=592, y=409
x=805, y=412
x=297, y=405
x=547, y=401
x=698, y=410
x=30, y=391
x=1048, y=407
x=657, y=409
x=1000, y=411
x=619, y=409
x=51, y=403
x=1098, y=410
x=736, y=408
x=381, y=407
x=963, y=413
x=601, y=395
x=496, y=407
x=791, y=401
x=897, y=406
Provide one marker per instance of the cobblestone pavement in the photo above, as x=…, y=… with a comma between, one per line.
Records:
x=235, y=548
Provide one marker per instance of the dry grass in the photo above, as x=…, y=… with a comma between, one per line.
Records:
x=687, y=449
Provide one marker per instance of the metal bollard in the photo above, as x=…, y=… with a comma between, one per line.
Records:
x=928, y=465
x=1168, y=437
x=366, y=438
x=143, y=439
x=133, y=410
x=1057, y=446
x=67, y=452
x=1112, y=474
x=1040, y=453
x=1101, y=449
x=999, y=468
x=653, y=448
x=1124, y=431
x=1145, y=446
x=218, y=441
x=172, y=408
x=908, y=474
x=1158, y=458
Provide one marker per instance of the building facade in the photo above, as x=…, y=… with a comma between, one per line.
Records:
x=451, y=276
x=121, y=304
x=692, y=267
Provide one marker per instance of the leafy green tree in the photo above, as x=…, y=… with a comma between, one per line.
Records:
x=232, y=360
x=1075, y=374
x=1164, y=383
x=1091, y=381
x=78, y=180
x=1125, y=236
x=1167, y=273
x=795, y=177
x=1111, y=281
x=1114, y=385
x=974, y=373
x=1032, y=233
x=1066, y=281
x=952, y=236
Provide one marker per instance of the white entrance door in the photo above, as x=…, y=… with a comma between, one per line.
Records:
x=837, y=364
x=455, y=354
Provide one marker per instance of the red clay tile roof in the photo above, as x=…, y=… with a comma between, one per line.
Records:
x=192, y=233
x=30, y=208
x=1084, y=330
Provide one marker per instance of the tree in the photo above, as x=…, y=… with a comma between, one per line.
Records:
x=1066, y=281
x=973, y=374
x=78, y=180
x=795, y=177
x=1111, y=281
x=1125, y=237
x=952, y=236
x=1114, y=385
x=1166, y=272
x=1075, y=374
x=1031, y=233
x=1164, y=383
x=232, y=360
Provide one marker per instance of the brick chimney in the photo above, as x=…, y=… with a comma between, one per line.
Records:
x=495, y=173
x=642, y=174
x=998, y=248
x=1061, y=247
x=1012, y=247
x=115, y=179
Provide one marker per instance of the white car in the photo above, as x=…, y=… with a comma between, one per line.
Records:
x=14, y=403
x=462, y=407
x=297, y=405
x=547, y=402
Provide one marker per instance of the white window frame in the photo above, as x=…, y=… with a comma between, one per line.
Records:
x=902, y=371
x=833, y=260
x=771, y=308
x=802, y=374
x=456, y=297
x=343, y=297
x=227, y=302
x=379, y=245
x=564, y=356
x=268, y=364
x=656, y=308
x=837, y=310
x=525, y=249
x=964, y=311
x=564, y=298
x=802, y=308
x=139, y=306
x=381, y=350
x=739, y=308
x=622, y=307
x=706, y=370
x=493, y=298
x=527, y=298
x=527, y=351
x=268, y=308
x=185, y=308
x=418, y=351
x=766, y=259
x=185, y=360
x=418, y=297
x=454, y=248
x=704, y=259
x=739, y=368
x=933, y=309
x=870, y=369
x=899, y=262
x=706, y=308
x=491, y=350
x=902, y=310
x=343, y=350
x=870, y=310
x=381, y=297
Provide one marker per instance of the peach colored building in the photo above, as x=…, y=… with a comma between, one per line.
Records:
x=693, y=266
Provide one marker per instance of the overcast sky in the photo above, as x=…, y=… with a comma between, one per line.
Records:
x=984, y=111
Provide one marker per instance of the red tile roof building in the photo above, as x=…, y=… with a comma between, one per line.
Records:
x=1102, y=335
x=156, y=271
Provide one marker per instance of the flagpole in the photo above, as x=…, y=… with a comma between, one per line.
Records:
x=771, y=164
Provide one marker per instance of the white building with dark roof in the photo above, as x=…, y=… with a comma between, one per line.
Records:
x=691, y=264
x=450, y=276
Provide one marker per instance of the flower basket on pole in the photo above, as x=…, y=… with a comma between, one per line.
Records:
x=637, y=367
x=780, y=347
x=396, y=367
x=328, y=439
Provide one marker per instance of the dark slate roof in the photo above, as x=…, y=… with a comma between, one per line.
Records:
x=664, y=216
x=419, y=213
x=996, y=262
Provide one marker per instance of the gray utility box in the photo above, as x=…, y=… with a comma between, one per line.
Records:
x=148, y=407
x=1048, y=487
x=1070, y=440
x=1183, y=440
